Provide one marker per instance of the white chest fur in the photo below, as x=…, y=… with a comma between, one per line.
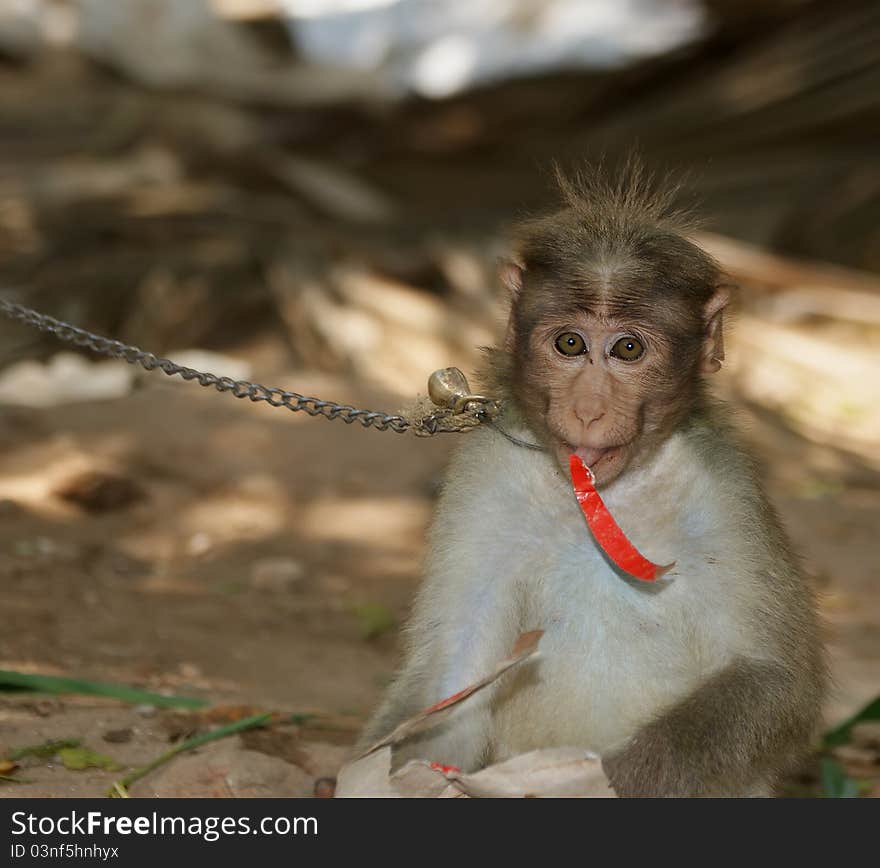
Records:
x=515, y=554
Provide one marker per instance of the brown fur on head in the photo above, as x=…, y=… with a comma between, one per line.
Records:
x=610, y=273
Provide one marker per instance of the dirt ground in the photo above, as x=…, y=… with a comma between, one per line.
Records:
x=259, y=564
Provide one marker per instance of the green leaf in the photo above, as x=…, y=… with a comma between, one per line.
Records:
x=375, y=619
x=54, y=684
x=840, y=733
x=79, y=758
x=45, y=750
x=836, y=784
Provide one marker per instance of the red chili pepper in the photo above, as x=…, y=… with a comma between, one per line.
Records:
x=605, y=529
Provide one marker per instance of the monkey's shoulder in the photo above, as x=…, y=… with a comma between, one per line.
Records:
x=736, y=478
x=491, y=481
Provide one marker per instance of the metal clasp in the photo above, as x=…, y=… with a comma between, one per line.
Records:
x=448, y=388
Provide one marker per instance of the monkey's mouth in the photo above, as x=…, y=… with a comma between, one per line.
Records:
x=593, y=455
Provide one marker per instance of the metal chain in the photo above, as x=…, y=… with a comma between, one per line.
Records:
x=238, y=388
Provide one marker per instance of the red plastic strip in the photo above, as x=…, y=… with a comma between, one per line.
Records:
x=605, y=529
x=446, y=770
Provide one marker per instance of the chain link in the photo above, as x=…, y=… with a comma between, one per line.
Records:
x=238, y=388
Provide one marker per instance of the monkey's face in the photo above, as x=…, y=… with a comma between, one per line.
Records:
x=601, y=388
x=612, y=323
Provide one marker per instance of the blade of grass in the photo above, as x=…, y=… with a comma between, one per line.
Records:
x=119, y=790
x=57, y=684
x=836, y=784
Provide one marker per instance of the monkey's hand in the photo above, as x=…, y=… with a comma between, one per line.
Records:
x=731, y=737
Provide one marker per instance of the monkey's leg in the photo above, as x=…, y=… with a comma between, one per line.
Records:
x=733, y=736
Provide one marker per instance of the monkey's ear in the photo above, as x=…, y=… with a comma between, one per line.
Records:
x=713, y=338
x=510, y=272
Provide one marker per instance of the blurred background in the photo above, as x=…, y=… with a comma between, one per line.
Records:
x=313, y=194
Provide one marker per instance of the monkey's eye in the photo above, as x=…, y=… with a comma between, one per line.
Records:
x=570, y=344
x=628, y=348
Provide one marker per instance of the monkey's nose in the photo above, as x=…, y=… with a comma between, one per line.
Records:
x=588, y=417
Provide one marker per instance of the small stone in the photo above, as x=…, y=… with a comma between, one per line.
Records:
x=118, y=736
x=325, y=788
x=190, y=671
x=145, y=710
x=276, y=575
x=199, y=544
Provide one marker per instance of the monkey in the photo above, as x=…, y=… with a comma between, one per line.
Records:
x=706, y=683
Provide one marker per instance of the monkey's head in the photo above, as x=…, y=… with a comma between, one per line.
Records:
x=616, y=316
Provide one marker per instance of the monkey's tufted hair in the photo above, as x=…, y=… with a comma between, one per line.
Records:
x=605, y=214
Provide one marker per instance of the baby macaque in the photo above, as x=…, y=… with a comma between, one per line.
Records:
x=707, y=682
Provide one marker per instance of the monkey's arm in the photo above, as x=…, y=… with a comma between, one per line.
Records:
x=428, y=671
x=456, y=635
x=739, y=730
x=453, y=640
x=465, y=617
